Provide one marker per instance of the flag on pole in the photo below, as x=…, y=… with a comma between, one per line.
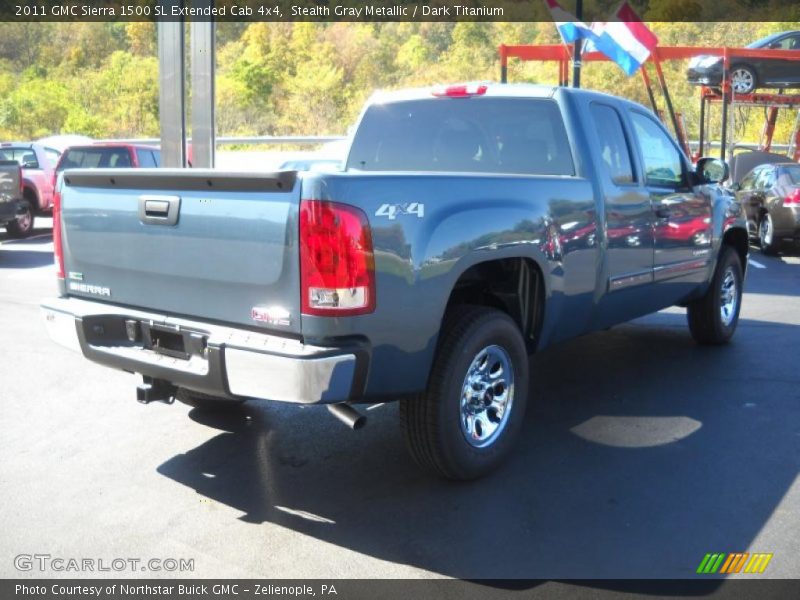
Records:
x=568, y=24
x=626, y=40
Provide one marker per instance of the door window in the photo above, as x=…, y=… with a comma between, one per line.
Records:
x=764, y=178
x=614, y=148
x=749, y=181
x=663, y=165
x=791, y=42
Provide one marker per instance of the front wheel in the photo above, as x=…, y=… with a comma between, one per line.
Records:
x=466, y=422
x=22, y=226
x=713, y=318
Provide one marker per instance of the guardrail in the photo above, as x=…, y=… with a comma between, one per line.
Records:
x=251, y=140
x=275, y=140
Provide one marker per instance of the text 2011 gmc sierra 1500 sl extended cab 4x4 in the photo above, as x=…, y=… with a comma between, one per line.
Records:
x=472, y=225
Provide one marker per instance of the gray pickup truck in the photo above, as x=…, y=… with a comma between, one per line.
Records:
x=472, y=225
x=10, y=192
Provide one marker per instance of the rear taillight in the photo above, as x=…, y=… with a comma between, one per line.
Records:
x=337, y=266
x=58, y=249
x=793, y=199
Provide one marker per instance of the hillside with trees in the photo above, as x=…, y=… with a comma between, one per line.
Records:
x=101, y=79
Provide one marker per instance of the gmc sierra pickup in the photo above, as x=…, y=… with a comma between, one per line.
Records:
x=472, y=225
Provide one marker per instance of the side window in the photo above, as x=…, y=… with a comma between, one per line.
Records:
x=663, y=165
x=770, y=177
x=52, y=155
x=614, y=148
x=157, y=157
x=749, y=180
x=788, y=43
x=762, y=179
x=145, y=158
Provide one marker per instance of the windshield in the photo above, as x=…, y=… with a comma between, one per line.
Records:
x=465, y=135
x=93, y=158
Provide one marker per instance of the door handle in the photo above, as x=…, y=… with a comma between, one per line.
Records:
x=159, y=210
x=156, y=208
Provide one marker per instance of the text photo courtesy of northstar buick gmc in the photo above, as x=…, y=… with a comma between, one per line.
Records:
x=471, y=226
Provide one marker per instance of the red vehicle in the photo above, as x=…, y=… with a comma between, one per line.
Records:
x=109, y=155
x=38, y=167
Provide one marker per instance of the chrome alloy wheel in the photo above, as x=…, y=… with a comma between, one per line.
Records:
x=742, y=81
x=728, y=297
x=487, y=396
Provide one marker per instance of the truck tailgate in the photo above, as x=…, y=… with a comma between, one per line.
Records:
x=191, y=242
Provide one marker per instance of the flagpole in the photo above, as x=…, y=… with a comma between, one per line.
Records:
x=576, y=56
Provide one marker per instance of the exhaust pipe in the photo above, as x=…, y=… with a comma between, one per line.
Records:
x=348, y=415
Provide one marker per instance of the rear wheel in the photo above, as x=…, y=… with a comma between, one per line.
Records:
x=713, y=318
x=22, y=226
x=766, y=235
x=466, y=422
x=208, y=403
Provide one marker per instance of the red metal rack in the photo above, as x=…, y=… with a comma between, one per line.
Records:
x=562, y=54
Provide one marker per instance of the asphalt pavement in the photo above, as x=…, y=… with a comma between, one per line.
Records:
x=642, y=452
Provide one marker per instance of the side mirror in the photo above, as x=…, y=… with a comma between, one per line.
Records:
x=711, y=170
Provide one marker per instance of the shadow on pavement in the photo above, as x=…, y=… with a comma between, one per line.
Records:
x=25, y=259
x=641, y=453
x=14, y=256
x=42, y=236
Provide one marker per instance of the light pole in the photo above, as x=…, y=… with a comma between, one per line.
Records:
x=576, y=56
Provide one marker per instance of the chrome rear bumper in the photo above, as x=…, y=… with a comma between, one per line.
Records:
x=221, y=360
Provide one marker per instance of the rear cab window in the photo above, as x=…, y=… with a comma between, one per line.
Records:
x=95, y=158
x=524, y=136
x=26, y=157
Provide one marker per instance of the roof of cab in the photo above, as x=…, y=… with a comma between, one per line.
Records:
x=515, y=90
x=496, y=90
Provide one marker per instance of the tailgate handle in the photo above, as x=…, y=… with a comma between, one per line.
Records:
x=159, y=210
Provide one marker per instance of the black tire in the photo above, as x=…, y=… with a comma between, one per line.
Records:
x=770, y=245
x=208, y=403
x=432, y=421
x=22, y=226
x=747, y=76
x=706, y=321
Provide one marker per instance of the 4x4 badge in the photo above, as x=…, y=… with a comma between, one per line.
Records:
x=394, y=210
